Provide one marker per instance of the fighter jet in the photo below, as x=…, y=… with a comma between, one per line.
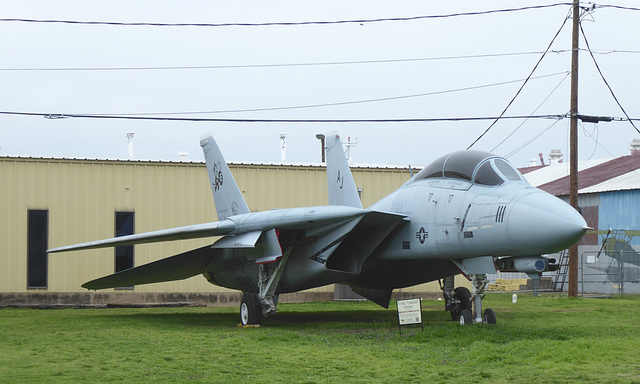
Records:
x=468, y=212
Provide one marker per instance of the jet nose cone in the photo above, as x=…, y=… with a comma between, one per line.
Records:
x=540, y=223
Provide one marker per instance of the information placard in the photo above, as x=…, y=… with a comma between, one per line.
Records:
x=409, y=312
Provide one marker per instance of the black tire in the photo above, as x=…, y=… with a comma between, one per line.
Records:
x=466, y=317
x=489, y=316
x=463, y=295
x=250, y=309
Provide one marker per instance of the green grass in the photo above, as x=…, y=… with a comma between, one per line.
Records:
x=550, y=339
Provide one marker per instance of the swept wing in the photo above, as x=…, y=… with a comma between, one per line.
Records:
x=328, y=225
x=178, y=267
x=217, y=228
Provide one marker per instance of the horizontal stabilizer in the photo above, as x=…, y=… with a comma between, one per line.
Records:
x=243, y=240
x=177, y=267
x=217, y=228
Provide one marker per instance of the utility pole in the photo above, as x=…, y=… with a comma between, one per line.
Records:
x=573, y=144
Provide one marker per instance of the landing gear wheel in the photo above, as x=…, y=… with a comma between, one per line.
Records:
x=466, y=317
x=463, y=295
x=250, y=309
x=489, y=316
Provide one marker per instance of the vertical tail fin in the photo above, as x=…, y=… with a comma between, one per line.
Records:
x=342, y=188
x=226, y=194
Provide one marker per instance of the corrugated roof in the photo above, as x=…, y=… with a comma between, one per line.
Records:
x=621, y=173
x=525, y=170
x=624, y=182
x=266, y=164
x=556, y=171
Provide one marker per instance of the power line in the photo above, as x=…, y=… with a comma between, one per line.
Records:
x=321, y=63
x=54, y=116
x=277, y=64
x=534, y=111
x=606, y=52
x=341, y=102
x=57, y=116
x=605, y=80
x=523, y=84
x=530, y=140
x=616, y=6
x=359, y=21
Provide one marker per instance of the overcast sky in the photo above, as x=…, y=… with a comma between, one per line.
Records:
x=451, y=52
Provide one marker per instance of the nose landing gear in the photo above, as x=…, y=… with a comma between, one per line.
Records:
x=464, y=304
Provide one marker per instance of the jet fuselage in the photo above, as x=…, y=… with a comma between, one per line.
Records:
x=446, y=218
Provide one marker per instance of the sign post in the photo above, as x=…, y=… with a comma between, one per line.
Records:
x=409, y=313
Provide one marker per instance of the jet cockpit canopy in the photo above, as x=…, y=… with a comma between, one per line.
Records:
x=475, y=166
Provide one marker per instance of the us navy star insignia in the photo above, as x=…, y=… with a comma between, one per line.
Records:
x=422, y=235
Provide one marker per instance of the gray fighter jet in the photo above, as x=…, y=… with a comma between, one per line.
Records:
x=468, y=212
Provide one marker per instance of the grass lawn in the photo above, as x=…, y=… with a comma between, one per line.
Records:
x=549, y=339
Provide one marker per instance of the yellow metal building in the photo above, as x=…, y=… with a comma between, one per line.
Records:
x=78, y=199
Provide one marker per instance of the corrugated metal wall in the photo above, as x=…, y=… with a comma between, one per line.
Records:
x=620, y=210
x=82, y=197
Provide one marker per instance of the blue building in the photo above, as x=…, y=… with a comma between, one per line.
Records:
x=609, y=200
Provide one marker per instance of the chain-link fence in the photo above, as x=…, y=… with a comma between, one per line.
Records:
x=609, y=272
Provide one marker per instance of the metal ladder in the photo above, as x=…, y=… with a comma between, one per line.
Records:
x=563, y=270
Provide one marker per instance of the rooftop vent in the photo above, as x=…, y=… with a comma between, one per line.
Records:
x=130, y=143
x=555, y=157
x=635, y=147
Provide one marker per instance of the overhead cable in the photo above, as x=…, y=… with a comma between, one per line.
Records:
x=320, y=63
x=523, y=84
x=358, y=21
x=276, y=64
x=55, y=116
x=534, y=111
x=598, y=144
x=513, y=152
x=340, y=102
x=605, y=80
x=616, y=6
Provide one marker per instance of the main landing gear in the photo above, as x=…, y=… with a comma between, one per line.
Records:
x=254, y=306
x=460, y=301
x=250, y=309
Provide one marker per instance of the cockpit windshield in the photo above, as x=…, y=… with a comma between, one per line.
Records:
x=475, y=166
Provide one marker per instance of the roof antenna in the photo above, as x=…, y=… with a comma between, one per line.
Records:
x=350, y=144
x=130, y=141
x=283, y=147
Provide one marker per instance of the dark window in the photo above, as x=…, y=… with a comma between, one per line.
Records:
x=432, y=170
x=487, y=176
x=507, y=170
x=38, y=239
x=457, y=165
x=461, y=164
x=124, y=253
